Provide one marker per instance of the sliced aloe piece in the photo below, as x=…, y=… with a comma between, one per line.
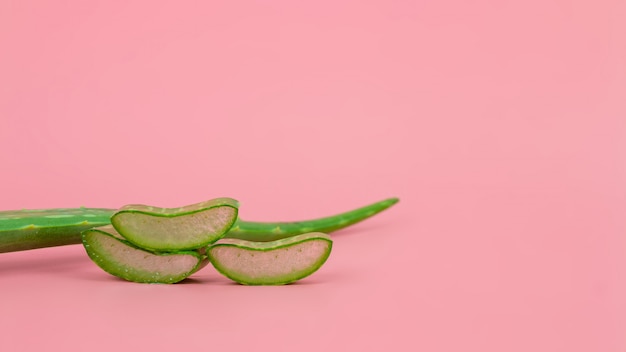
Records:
x=270, y=263
x=173, y=229
x=120, y=258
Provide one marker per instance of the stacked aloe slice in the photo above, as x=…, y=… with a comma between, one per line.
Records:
x=165, y=245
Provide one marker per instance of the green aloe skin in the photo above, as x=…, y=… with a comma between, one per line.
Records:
x=30, y=229
x=271, y=231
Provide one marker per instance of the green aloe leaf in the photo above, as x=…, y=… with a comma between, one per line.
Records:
x=38, y=228
x=29, y=229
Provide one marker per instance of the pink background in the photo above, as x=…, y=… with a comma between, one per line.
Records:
x=501, y=125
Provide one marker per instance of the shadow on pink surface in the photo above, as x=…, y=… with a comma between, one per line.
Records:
x=41, y=261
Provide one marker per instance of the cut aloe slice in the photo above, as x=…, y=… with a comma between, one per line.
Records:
x=120, y=258
x=270, y=263
x=173, y=229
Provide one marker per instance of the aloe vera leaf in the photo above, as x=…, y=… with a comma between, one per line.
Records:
x=172, y=229
x=29, y=229
x=271, y=231
x=118, y=257
x=270, y=263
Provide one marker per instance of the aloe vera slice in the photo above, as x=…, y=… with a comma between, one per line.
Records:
x=173, y=229
x=270, y=263
x=120, y=258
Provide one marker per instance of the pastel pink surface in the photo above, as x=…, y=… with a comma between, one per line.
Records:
x=501, y=126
